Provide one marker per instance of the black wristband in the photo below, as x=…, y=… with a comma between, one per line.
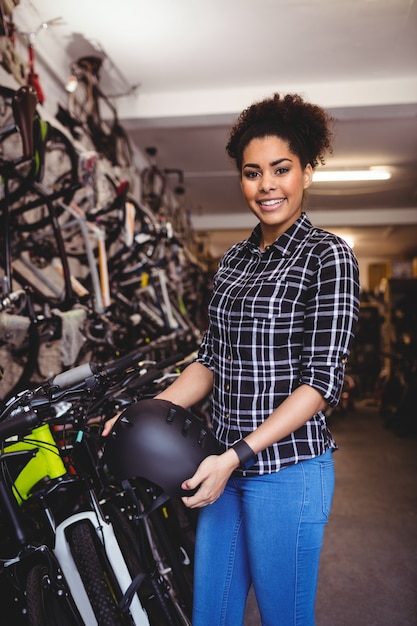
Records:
x=246, y=455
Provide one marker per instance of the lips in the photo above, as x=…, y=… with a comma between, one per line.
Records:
x=266, y=204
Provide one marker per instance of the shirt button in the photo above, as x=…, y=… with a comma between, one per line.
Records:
x=229, y=357
x=227, y=387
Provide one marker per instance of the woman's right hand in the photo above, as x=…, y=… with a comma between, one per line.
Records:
x=107, y=428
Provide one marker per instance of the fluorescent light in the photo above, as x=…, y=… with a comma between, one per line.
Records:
x=349, y=240
x=350, y=175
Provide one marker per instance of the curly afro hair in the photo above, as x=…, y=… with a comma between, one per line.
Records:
x=305, y=126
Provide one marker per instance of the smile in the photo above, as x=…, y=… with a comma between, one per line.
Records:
x=270, y=203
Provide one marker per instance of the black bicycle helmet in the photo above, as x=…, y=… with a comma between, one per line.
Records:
x=159, y=441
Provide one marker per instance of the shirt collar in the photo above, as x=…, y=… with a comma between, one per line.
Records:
x=286, y=243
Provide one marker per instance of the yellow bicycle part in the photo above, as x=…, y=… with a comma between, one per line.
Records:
x=46, y=464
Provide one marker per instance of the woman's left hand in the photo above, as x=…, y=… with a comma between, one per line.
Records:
x=212, y=475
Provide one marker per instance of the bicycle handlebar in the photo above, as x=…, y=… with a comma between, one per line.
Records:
x=20, y=414
x=122, y=363
x=20, y=423
x=78, y=374
x=72, y=377
x=153, y=372
x=30, y=408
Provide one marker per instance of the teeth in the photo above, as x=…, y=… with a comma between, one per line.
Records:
x=271, y=202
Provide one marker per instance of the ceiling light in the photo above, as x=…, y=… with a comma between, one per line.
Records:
x=351, y=175
x=349, y=240
x=71, y=84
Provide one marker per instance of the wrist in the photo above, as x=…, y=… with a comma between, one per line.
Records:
x=245, y=454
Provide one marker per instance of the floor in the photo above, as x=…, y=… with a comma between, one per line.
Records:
x=368, y=573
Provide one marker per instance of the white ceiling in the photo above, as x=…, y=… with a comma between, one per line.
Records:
x=188, y=67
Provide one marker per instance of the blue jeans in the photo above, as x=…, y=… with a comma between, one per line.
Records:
x=268, y=531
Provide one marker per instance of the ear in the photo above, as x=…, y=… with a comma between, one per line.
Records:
x=308, y=176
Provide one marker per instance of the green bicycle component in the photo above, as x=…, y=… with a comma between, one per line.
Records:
x=46, y=464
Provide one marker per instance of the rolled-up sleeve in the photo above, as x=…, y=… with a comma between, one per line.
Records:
x=205, y=353
x=330, y=318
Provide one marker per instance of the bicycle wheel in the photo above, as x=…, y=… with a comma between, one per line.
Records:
x=152, y=593
x=19, y=350
x=95, y=572
x=129, y=254
x=172, y=551
x=59, y=178
x=19, y=175
x=46, y=604
x=153, y=182
x=158, y=595
x=122, y=148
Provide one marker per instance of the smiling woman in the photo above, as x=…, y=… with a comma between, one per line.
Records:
x=281, y=323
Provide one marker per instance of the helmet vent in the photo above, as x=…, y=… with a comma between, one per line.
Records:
x=186, y=426
x=171, y=415
x=202, y=437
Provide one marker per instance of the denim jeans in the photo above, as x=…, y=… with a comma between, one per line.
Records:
x=268, y=531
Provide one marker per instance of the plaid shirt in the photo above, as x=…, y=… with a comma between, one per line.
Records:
x=277, y=320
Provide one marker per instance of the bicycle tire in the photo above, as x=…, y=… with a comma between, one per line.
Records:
x=45, y=607
x=96, y=574
x=169, y=553
x=122, y=149
x=153, y=597
x=101, y=117
x=118, y=242
x=20, y=365
x=155, y=593
x=60, y=178
x=153, y=183
x=11, y=149
x=125, y=255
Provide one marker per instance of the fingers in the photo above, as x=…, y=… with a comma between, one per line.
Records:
x=107, y=428
x=208, y=481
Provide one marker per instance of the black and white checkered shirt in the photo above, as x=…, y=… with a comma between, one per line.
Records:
x=279, y=319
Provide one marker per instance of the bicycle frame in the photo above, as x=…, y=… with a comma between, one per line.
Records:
x=47, y=462
x=99, y=279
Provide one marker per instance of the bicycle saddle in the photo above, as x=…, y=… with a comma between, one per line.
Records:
x=159, y=441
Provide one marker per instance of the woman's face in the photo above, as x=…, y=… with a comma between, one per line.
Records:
x=273, y=184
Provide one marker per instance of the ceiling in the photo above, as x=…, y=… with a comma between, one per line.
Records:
x=182, y=71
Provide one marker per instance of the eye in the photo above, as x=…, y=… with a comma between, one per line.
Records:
x=250, y=174
x=281, y=170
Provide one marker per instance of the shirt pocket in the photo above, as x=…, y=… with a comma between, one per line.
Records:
x=273, y=300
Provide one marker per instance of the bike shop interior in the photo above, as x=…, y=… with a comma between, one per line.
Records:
x=117, y=215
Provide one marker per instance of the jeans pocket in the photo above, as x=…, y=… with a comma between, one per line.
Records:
x=327, y=485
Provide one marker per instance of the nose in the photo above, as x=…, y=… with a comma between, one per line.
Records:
x=267, y=183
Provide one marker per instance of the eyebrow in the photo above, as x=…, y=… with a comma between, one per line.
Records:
x=273, y=164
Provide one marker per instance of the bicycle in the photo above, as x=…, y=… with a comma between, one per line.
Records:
x=54, y=221
x=45, y=588
x=153, y=182
x=26, y=255
x=105, y=564
x=92, y=108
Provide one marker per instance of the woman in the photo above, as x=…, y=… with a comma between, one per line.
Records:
x=281, y=323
